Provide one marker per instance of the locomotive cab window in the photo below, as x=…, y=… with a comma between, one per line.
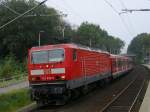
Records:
x=47, y=56
x=74, y=55
x=56, y=55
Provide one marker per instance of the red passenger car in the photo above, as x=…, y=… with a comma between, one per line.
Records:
x=58, y=72
x=120, y=65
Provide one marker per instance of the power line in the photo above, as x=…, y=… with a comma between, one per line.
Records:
x=111, y=6
x=114, y=9
x=33, y=15
x=59, y=6
x=10, y=9
x=134, y=10
x=129, y=20
x=126, y=26
x=22, y=14
x=71, y=9
x=122, y=3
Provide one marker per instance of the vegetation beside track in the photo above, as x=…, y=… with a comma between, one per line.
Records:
x=10, y=67
x=140, y=46
x=12, y=71
x=14, y=100
x=15, y=80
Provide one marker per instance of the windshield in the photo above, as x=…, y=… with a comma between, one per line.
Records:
x=47, y=56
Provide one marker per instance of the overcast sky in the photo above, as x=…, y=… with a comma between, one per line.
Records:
x=99, y=12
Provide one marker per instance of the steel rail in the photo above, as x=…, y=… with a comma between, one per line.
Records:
x=119, y=94
x=137, y=96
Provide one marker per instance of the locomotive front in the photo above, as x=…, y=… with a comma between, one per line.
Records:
x=47, y=73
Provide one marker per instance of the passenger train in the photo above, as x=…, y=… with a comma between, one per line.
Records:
x=59, y=72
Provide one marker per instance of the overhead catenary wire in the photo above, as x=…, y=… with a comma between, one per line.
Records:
x=10, y=9
x=134, y=10
x=72, y=10
x=129, y=20
x=114, y=9
x=111, y=6
x=15, y=12
x=67, y=8
x=21, y=15
x=55, y=4
x=33, y=15
x=122, y=3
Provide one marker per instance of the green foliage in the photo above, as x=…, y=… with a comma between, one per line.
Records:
x=23, y=33
x=139, y=46
x=14, y=100
x=7, y=83
x=10, y=67
x=24, y=66
x=92, y=35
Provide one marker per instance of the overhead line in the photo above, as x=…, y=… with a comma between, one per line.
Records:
x=123, y=21
x=111, y=6
x=129, y=20
x=59, y=6
x=114, y=9
x=1, y=27
x=70, y=10
x=122, y=3
x=10, y=9
x=73, y=10
x=133, y=10
x=33, y=15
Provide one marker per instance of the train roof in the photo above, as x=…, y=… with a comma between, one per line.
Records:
x=118, y=56
x=68, y=45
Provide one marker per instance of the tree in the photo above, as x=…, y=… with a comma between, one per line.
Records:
x=92, y=35
x=139, y=46
x=21, y=35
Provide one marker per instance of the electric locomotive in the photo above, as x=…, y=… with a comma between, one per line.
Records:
x=59, y=72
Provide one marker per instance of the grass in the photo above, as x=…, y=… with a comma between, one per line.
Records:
x=12, y=101
x=11, y=82
x=10, y=67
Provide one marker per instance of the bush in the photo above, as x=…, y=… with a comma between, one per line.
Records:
x=10, y=67
x=14, y=100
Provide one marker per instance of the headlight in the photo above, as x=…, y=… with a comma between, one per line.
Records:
x=37, y=72
x=57, y=70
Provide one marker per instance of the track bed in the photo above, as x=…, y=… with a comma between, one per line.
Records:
x=99, y=99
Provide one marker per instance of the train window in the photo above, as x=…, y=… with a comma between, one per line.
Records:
x=74, y=55
x=39, y=57
x=56, y=55
x=120, y=63
x=114, y=63
x=47, y=56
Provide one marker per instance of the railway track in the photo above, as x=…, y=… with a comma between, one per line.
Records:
x=126, y=99
x=125, y=91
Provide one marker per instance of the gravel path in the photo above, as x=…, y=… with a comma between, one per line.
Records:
x=15, y=86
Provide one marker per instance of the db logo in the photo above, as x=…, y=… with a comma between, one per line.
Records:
x=47, y=71
x=49, y=78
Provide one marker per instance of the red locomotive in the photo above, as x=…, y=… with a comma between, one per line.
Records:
x=58, y=72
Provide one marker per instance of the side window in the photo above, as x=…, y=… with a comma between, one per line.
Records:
x=114, y=63
x=74, y=55
x=119, y=63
